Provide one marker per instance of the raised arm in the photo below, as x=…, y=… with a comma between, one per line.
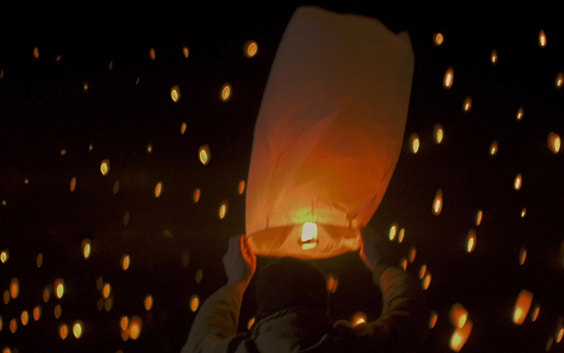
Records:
x=216, y=323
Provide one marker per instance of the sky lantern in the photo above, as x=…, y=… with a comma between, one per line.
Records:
x=522, y=306
x=328, y=133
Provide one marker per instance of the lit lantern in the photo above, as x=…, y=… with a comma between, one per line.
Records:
x=328, y=134
x=458, y=315
x=522, y=306
x=460, y=336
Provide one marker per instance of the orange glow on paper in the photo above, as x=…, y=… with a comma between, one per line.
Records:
x=460, y=336
x=448, y=78
x=467, y=105
x=14, y=288
x=458, y=315
x=148, y=302
x=63, y=331
x=493, y=57
x=522, y=306
x=518, y=182
x=433, y=319
x=204, y=154
x=105, y=166
x=358, y=319
x=250, y=49
x=438, y=202
x=438, y=133
x=175, y=93
x=414, y=143
x=553, y=142
x=306, y=164
x=542, y=39
x=158, y=189
x=194, y=303
x=36, y=313
x=471, y=241
x=225, y=93
x=438, y=39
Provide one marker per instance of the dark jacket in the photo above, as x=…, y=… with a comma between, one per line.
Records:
x=401, y=327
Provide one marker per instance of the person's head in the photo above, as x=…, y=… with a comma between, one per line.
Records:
x=290, y=283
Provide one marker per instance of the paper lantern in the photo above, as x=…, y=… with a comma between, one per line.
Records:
x=328, y=133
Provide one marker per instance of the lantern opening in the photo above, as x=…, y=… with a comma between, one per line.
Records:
x=308, y=239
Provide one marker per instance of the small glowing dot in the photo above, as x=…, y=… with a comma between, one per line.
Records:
x=196, y=195
x=149, y=148
x=4, y=203
x=520, y=113
x=183, y=128
x=438, y=39
x=4, y=256
x=332, y=283
x=401, y=235
x=518, y=182
x=152, y=54
x=448, y=78
x=24, y=318
x=46, y=294
x=36, y=313
x=63, y=152
x=137, y=80
x=185, y=52
x=422, y=271
x=77, y=329
x=411, y=254
x=85, y=86
x=250, y=49
x=26, y=181
x=36, y=53
x=108, y=304
x=1, y=324
x=125, y=262
x=106, y=290
x=158, y=189
x=39, y=260
x=467, y=105
x=478, y=217
x=57, y=311
x=553, y=142
x=110, y=65
x=124, y=323
x=241, y=187
x=438, y=133
x=414, y=143
x=148, y=302
x=204, y=154
x=223, y=210
x=438, y=202
x=433, y=319
x=13, y=325
x=542, y=39
x=493, y=57
x=59, y=287
x=175, y=93
x=14, y=288
x=535, y=313
x=426, y=282
x=493, y=148
x=90, y=147
x=72, y=184
x=194, y=302
x=105, y=166
x=135, y=327
x=6, y=297
x=250, y=323
x=225, y=94
x=63, y=331
x=471, y=241
x=523, y=212
x=522, y=306
x=522, y=255
x=359, y=318
x=58, y=58
x=559, y=81
x=393, y=231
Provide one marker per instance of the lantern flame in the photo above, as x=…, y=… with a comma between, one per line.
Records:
x=309, y=236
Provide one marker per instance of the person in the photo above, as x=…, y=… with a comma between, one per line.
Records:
x=293, y=310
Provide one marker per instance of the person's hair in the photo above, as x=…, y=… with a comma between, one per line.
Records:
x=290, y=283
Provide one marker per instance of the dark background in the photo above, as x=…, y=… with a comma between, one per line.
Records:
x=170, y=239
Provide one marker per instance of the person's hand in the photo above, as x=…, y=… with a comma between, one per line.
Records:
x=375, y=249
x=239, y=262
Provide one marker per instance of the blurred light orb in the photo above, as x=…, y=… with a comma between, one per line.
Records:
x=196, y=195
x=493, y=148
x=471, y=241
x=204, y=154
x=59, y=288
x=152, y=54
x=57, y=311
x=78, y=329
x=467, y=105
x=448, y=78
x=185, y=52
x=225, y=93
x=14, y=288
x=175, y=93
x=125, y=262
x=194, y=303
x=39, y=260
x=438, y=133
x=520, y=113
x=4, y=256
x=105, y=166
x=86, y=248
x=72, y=184
x=518, y=182
x=460, y=336
x=222, y=210
x=493, y=57
x=36, y=53
x=522, y=306
x=24, y=317
x=542, y=39
x=559, y=81
x=250, y=49
x=241, y=187
x=359, y=318
x=148, y=302
x=183, y=128
x=414, y=143
x=433, y=319
x=437, y=202
x=36, y=313
x=393, y=232
x=63, y=331
x=158, y=189
x=553, y=142
x=458, y=315
x=438, y=39
x=478, y=217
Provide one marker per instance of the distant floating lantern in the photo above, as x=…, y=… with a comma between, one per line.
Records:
x=467, y=105
x=194, y=302
x=522, y=255
x=59, y=288
x=185, y=52
x=522, y=306
x=86, y=246
x=225, y=93
x=196, y=195
x=433, y=319
x=222, y=210
x=393, y=232
x=105, y=166
x=518, y=182
x=437, y=202
x=559, y=81
x=135, y=327
x=460, y=336
x=72, y=184
x=438, y=133
x=204, y=154
x=39, y=260
x=241, y=187
x=152, y=54
x=493, y=148
x=328, y=134
x=438, y=39
x=175, y=93
x=359, y=318
x=63, y=331
x=458, y=315
x=520, y=113
x=77, y=329
x=183, y=128
x=542, y=39
x=553, y=142
x=535, y=313
x=471, y=241
x=158, y=189
x=14, y=288
x=250, y=49
x=414, y=143
x=148, y=302
x=448, y=78
x=493, y=57
x=478, y=217
x=36, y=53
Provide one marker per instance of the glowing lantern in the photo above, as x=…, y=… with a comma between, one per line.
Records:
x=14, y=288
x=438, y=39
x=241, y=187
x=458, y=315
x=542, y=39
x=414, y=143
x=438, y=133
x=175, y=93
x=37, y=313
x=194, y=302
x=559, y=80
x=63, y=331
x=86, y=248
x=553, y=142
x=522, y=306
x=148, y=302
x=158, y=189
x=460, y=336
x=185, y=52
x=72, y=184
x=520, y=113
x=77, y=329
x=493, y=57
x=470, y=241
x=225, y=93
x=448, y=78
x=105, y=166
x=433, y=319
x=359, y=319
x=250, y=49
x=438, y=203
x=204, y=154
x=467, y=105
x=493, y=148
x=328, y=134
x=59, y=286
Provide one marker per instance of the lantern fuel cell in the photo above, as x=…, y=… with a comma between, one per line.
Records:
x=328, y=133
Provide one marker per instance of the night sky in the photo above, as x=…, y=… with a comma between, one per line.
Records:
x=80, y=87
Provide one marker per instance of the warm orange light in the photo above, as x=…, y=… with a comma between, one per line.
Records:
x=14, y=288
x=518, y=182
x=78, y=329
x=250, y=323
x=478, y=217
x=158, y=189
x=85, y=86
x=460, y=336
x=24, y=317
x=110, y=65
x=250, y=49
x=175, y=93
x=59, y=288
x=124, y=323
x=414, y=143
x=6, y=296
x=458, y=315
x=46, y=294
x=438, y=133
x=13, y=325
x=72, y=184
x=448, y=78
x=135, y=327
x=36, y=53
x=542, y=39
x=393, y=231
x=222, y=210
x=57, y=311
x=125, y=262
x=36, y=313
x=438, y=202
x=152, y=54
x=149, y=148
x=471, y=241
x=106, y=290
x=204, y=154
x=196, y=195
x=86, y=248
x=522, y=255
x=493, y=148
x=422, y=271
x=522, y=306
x=241, y=187
x=185, y=52
x=332, y=284
x=493, y=57
x=559, y=80
x=523, y=212
x=359, y=318
x=520, y=113
x=309, y=235
x=535, y=313
x=63, y=331
x=148, y=302
x=194, y=302
x=433, y=319
x=105, y=166
x=467, y=105
x=438, y=39
x=183, y=128
x=225, y=93
x=553, y=142
x=426, y=282
x=199, y=275
x=4, y=256
x=411, y=254
x=401, y=235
